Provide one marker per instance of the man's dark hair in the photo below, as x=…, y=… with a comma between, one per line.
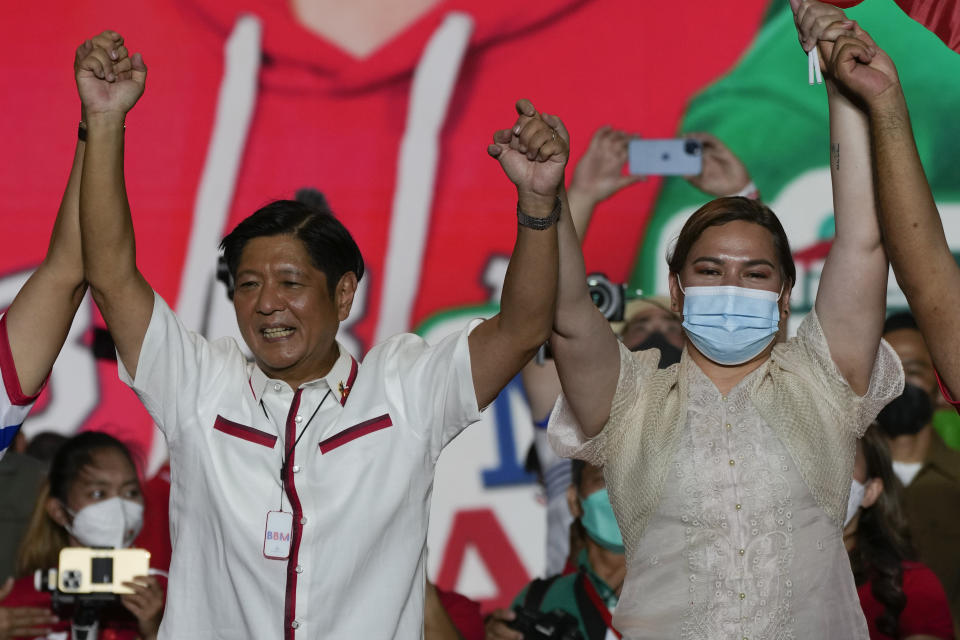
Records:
x=330, y=246
x=900, y=320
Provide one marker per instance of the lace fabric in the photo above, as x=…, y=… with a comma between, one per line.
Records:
x=734, y=530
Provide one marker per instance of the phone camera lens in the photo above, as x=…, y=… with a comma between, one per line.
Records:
x=692, y=147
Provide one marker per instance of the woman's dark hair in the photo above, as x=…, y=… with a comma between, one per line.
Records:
x=881, y=538
x=723, y=210
x=330, y=246
x=44, y=538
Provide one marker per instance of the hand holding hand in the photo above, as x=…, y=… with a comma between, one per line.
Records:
x=533, y=154
x=863, y=69
x=599, y=173
x=496, y=626
x=819, y=23
x=146, y=604
x=23, y=621
x=109, y=81
x=723, y=173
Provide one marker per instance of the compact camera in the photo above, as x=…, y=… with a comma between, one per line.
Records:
x=609, y=298
x=83, y=570
x=551, y=625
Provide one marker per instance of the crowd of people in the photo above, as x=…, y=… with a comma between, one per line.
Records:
x=727, y=481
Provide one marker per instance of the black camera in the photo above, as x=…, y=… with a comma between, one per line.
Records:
x=609, y=298
x=555, y=625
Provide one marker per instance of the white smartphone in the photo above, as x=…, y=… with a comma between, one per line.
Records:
x=85, y=570
x=670, y=157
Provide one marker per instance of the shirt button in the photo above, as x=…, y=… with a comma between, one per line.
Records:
x=742, y=596
x=732, y=463
x=296, y=468
x=299, y=419
x=738, y=507
x=276, y=387
x=295, y=624
x=299, y=569
x=303, y=520
x=742, y=551
x=728, y=426
x=724, y=398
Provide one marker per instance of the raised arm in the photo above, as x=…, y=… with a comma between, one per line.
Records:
x=851, y=299
x=533, y=157
x=912, y=231
x=584, y=347
x=110, y=84
x=41, y=314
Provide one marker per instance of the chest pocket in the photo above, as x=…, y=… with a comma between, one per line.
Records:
x=356, y=431
x=244, y=432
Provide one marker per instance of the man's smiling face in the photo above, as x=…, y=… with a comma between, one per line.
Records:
x=285, y=310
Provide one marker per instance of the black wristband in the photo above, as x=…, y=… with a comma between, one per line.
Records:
x=82, y=132
x=539, y=223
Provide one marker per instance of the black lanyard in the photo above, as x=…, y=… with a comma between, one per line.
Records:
x=290, y=450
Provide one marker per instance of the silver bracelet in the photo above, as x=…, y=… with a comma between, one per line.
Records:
x=539, y=223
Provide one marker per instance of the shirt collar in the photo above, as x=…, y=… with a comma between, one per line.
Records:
x=339, y=379
x=608, y=595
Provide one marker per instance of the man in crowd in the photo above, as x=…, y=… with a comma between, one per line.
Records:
x=590, y=592
x=302, y=482
x=928, y=469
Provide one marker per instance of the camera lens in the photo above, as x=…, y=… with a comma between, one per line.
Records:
x=692, y=147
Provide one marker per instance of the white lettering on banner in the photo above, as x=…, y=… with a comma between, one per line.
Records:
x=74, y=392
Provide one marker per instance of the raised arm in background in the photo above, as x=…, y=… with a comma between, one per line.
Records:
x=109, y=87
x=851, y=299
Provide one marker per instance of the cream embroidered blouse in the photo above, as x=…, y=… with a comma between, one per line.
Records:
x=731, y=506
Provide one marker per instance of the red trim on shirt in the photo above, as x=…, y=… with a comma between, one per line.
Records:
x=946, y=393
x=10, y=380
x=599, y=605
x=345, y=389
x=290, y=601
x=244, y=432
x=352, y=433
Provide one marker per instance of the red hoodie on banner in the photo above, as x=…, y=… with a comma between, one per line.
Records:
x=244, y=104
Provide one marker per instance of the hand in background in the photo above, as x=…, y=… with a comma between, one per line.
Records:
x=599, y=173
x=146, y=604
x=723, y=173
x=22, y=621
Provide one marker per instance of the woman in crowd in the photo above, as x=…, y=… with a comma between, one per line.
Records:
x=901, y=599
x=91, y=499
x=729, y=472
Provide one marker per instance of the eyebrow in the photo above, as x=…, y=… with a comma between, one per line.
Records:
x=748, y=263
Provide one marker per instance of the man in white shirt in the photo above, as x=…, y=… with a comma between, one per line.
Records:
x=301, y=484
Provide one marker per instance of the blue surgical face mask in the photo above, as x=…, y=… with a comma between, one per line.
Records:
x=599, y=521
x=730, y=325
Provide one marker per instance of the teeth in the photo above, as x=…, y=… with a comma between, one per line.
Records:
x=277, y=333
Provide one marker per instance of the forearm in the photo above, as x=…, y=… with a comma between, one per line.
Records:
x=109, y=246
x=851, y=298
x=582, y=206
x=585, y=349
x=41, y=314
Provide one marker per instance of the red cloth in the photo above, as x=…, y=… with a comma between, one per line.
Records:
x=940, y=16
x=946, y=393
x=464, y=613
x=155, y=535
x=927, y=611
x=24, y=595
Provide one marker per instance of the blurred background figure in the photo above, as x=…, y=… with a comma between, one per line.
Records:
x=901, y=599
x=91, y=498
x=588, y=592
x=928, y=470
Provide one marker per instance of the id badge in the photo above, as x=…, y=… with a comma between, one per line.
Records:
x=276, y=536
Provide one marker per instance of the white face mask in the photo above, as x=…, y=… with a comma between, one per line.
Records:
x=109, y=523
x=857, y=492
